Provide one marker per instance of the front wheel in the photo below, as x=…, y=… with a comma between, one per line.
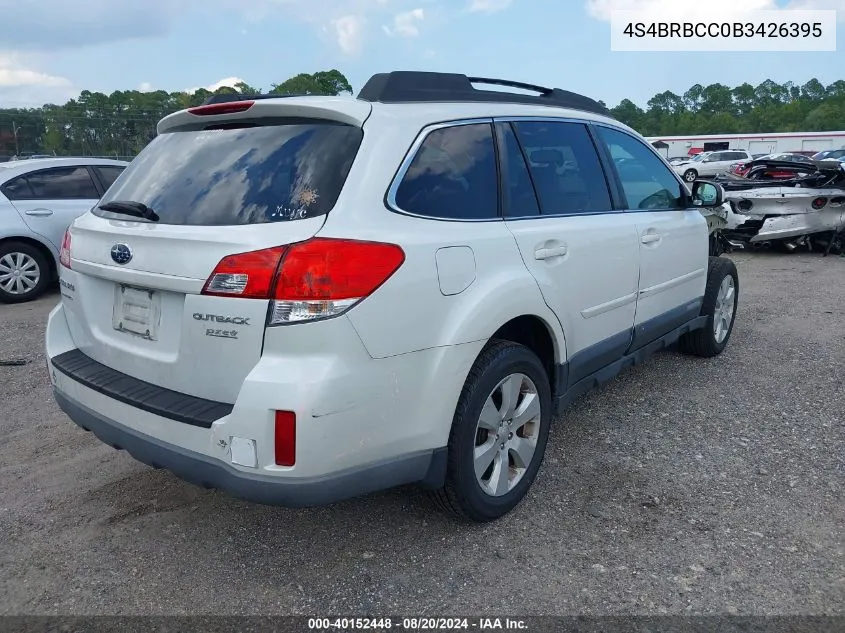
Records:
x=499, y=433
x=721, y=296
x=690, y=175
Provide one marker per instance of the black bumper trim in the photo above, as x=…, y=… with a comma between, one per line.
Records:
x=425, y=467
x=142, y=395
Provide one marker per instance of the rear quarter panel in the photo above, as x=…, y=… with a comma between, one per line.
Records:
x=411, y=311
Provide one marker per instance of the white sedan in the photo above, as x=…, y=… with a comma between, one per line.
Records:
x=38, y=201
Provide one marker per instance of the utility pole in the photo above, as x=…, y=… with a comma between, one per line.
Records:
x=15, y=134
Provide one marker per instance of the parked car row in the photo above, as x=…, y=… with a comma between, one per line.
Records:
x=735, y=162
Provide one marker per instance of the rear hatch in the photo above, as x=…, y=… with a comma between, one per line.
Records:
x=217, y=181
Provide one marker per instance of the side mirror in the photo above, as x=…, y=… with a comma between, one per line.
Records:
x=707, y=194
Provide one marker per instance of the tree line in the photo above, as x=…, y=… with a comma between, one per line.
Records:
x=745, y=109
x=120, y=124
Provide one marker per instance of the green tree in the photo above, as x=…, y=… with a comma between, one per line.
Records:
x=744, y=99
x=245, y=89
x=716, y=99
x=629, y=112
x=667, y=102
x=330, y=82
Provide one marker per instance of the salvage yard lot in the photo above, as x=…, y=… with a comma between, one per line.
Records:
x=685, y=486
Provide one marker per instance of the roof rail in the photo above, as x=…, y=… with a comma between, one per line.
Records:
x=230, y=98
x=413, y=86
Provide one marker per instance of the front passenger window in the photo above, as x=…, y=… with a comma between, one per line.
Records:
x=647, y=182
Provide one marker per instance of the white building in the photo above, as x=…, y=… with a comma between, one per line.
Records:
x=760, y=143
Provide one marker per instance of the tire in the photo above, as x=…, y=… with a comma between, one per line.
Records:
x=690, y=175
x=488, y=497
x=719, y=309
x=33, y=272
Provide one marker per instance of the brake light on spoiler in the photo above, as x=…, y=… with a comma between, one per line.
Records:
x=315, y=279
x=230, y=107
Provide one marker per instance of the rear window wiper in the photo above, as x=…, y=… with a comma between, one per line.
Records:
x=130, y=207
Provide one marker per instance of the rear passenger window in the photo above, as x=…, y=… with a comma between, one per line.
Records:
x=17, y=189
x=646, y=180
x=453, y=175
x=65, y=183
x=565, y=167
x=108, y=174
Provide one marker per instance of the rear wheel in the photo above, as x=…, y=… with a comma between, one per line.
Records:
x=24, y=272
x=720, y=300
x=499, y=433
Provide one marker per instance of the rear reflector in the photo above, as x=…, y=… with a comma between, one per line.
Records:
x=285, y=438
x=315, y=279
x=64, y=253
x=221, y=108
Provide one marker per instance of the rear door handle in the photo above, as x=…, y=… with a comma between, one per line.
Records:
x=650, y=238
x=39, y=213
x=548, y=253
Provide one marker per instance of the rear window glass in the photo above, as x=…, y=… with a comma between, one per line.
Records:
x=245, y=175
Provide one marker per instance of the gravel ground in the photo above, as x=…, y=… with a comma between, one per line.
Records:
x=686, y=486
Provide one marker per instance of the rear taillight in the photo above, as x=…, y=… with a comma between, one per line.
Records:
x=285, y=438
x=64, y=253
x=325, y=277
x=818, y=203
x=315, y=279
x=248, y=275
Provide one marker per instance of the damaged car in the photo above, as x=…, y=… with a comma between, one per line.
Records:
x=806, y=209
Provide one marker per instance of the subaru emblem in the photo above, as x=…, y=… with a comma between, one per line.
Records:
x=121, y=254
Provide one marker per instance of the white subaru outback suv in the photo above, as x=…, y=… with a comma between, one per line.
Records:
x=302, y=299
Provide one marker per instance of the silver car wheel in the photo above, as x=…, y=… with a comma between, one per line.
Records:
x=506, y=434
x=724, y=311
x=19, y=273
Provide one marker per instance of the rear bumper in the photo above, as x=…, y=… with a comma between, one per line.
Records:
x=361, y=424
x=425, y=467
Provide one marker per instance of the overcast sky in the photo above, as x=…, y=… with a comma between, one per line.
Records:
x=52, y=49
